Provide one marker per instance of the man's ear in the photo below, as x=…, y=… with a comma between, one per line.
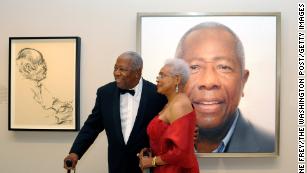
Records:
x=28, y=67
x=245, y=76
x=138, y=73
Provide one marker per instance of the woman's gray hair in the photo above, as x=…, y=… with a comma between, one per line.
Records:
x=214, y=25
x=137, y=62
x=179, y=67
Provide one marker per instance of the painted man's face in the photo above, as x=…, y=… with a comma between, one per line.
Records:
x=216, y=82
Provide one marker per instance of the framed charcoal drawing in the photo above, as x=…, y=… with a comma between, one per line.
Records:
x=235, y=74
x=44, y=83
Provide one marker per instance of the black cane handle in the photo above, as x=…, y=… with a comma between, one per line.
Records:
x=68, y=164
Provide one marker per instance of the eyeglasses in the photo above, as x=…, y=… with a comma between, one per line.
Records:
x=161, y=76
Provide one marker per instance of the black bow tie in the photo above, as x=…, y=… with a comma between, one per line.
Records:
x=124, y=91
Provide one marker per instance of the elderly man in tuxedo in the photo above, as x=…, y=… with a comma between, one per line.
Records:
x=123, y=109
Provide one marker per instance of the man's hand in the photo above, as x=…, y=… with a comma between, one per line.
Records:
x=73, y=157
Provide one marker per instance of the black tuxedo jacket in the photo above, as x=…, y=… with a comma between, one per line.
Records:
x=106, y=116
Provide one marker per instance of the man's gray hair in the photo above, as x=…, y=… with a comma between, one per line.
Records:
x=179, y=67
x=32, y=55
x=214, y=25
x=137, y=61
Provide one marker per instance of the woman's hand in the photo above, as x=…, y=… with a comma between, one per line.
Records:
x=145, y=162
x=145, y=157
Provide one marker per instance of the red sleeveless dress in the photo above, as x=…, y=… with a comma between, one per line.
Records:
x=174, y=144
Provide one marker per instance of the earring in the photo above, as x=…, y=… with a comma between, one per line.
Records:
x=176, y=88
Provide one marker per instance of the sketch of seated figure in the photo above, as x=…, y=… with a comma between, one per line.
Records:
x=32, y=66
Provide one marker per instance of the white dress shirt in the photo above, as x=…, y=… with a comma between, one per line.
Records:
x=129, y=106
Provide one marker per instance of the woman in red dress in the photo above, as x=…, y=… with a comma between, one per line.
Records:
x=171, y=132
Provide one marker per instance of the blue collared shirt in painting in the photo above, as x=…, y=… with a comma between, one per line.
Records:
x=221, y=148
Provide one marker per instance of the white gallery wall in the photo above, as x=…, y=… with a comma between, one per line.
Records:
x=108, y=28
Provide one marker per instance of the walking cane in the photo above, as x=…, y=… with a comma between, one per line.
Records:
x=147, y=153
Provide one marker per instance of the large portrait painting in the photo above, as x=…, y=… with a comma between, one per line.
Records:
x=234, y=60
x=44, y=83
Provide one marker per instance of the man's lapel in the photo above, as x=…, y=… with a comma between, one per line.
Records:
x=116, y=113
x=140, y=114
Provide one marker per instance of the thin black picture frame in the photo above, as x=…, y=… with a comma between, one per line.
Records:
x=44, y=83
